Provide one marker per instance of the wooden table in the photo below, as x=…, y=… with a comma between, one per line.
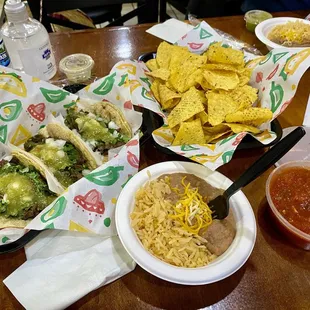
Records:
x=276, y=276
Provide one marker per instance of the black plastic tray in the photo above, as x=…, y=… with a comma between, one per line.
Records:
x=152, y=121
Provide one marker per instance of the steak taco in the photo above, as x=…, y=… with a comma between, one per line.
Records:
x=101, y=125
x=24, y=191
x=64, y=153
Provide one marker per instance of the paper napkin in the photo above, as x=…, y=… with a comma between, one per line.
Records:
x=171, y=30
x=64, y=266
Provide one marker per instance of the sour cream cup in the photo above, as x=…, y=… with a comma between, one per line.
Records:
x=296, y=236
x=77, y=67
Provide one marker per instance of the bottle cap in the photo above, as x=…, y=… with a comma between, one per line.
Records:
x=77, y=67
x=16, y=11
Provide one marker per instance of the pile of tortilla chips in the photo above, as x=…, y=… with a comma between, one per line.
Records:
x=206, y=96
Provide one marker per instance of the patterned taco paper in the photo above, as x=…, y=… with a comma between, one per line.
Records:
x=276, y=76
x=89, y=204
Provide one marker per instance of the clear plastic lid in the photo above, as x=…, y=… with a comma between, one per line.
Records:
x=76, y=63
x=256, y=16
x=77, y=67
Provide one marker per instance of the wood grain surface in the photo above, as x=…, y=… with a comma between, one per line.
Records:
x=276, y=275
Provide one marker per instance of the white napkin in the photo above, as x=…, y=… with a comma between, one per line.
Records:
x=171, y=30
x=64, y=266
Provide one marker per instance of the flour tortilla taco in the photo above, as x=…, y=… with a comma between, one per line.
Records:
x=24, y=191
x=101, y=125
x=64, y=153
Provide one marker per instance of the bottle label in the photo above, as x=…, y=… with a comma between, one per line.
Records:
x=4, y=58
x=39, y=61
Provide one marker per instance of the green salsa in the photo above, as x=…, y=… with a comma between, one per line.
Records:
x=62, y=158
x=23, y=192
x=254, y=17
x=91, y=129
x=101, y=134
x=53, y=157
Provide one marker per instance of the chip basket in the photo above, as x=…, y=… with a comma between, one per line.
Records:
x=152, y=121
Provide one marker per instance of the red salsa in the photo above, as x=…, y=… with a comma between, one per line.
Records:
x=290, y=193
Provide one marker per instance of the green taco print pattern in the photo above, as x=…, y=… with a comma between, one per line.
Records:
x=226, y=157
x=54, y=96
x=3, y=133
x=55, y=211
x=106, y=86
x=146, y=81
x=123, y=79
x=107, y=222
x=267, y=57
x=9, y=111
x=276, y=96
x=228, y=139
x=105, y=177
x=145, y=94
x=186, y=148
x=204, y=34
x=277, y=57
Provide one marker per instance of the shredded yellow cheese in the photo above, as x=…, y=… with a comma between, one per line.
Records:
x=291, y=34
x=190, y=210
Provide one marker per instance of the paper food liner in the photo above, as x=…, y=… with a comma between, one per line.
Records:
x=276, y=76
x=88, y=205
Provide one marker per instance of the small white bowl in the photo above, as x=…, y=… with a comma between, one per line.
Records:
x=263, y=28
x=222, y=267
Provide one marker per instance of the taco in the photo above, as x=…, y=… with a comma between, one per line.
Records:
x=62, y=152
x=101, y=125
x=24, y=191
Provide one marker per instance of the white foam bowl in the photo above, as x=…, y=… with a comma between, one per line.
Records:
x=263, y=28
x=225, y=265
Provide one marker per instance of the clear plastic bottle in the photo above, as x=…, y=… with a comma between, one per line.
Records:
x=27, y=42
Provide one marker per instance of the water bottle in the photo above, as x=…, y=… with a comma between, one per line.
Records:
x=27, y=42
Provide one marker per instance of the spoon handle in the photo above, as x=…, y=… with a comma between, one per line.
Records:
x=266, y=161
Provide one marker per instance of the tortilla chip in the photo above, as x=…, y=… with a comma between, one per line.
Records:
x=223, y=67
x=183, y=75
x=218, y=54
x=178, y=56
x=163, y=55
x=244, y=95
x=190, y=105
x=155, y=89
x=221, y=79
x=161, y=73
x=237, y=128
x=244, y=76
x=219, y=105
x=212, y=133
x=251, y=116
x=191, y=80
x=203, y=83
x=152, y=64
x=168, y=98
x=190, y=133
x=203, y=117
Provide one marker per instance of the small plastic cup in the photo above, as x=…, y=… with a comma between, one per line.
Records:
x=254, y=17
x=296, y=236
x=77, y=67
